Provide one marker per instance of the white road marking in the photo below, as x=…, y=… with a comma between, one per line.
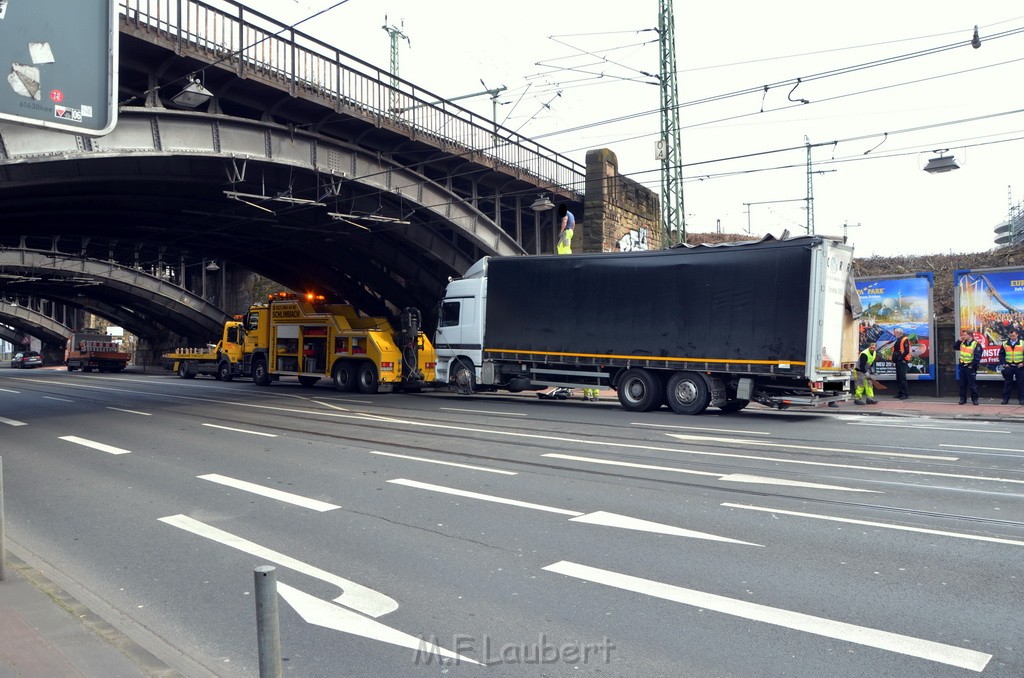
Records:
x=288, y=497
x=12, y=422
x=483, y=497
x=739, y=441
x=595, y=518
x=503, y=414
x=7, y=390
x=332, y=406
x=242, y=430
x=733, y=477
x=877, y=469
x=95, y=445
x=355, y=596
x=975, y=447
x=628, y=523
x=119, y=409
x=63, y=400
x=922, y=427
x=446, y=463
x=630, y=464
x=700, y=428
x=820, y=626
x=869, y=523
x=323, y=613
x=765, y=480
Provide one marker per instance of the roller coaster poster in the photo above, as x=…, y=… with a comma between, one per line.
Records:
x=904, y=302
x=989, y=303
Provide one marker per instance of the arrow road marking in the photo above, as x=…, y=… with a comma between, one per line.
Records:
x=95, y=445
x=322, y=613
x=596, y=518
x=356, y=596
x=829, y=628
x=288, y=497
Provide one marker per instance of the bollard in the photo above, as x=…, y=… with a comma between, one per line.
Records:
x=268, y=629
x=3, y=537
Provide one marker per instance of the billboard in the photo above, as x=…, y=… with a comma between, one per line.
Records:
x=59, y=61
x=989, y=303
x=898, y=301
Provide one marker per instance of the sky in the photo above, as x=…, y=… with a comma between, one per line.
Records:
x=579, y=75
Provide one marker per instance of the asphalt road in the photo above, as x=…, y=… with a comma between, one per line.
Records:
x=540, y=538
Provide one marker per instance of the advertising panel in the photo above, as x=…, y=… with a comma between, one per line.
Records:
x=989, y=303
x=904, y=302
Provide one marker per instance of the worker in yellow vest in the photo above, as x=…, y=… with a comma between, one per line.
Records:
x=567, y=222
x=968, y=358
x=1011, y=361
x=864, y=368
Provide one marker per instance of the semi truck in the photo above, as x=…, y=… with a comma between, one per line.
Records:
x=223, y=361
x=691, y=327
x=91, y=349
x=306, y=337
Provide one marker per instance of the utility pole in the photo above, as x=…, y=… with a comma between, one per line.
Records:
x=395, y=34
x=673, y=218
x=847, y=226
x=810, y=190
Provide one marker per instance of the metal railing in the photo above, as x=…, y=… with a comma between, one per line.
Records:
x=236, y=38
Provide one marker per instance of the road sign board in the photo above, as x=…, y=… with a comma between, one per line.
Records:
x=59, y=62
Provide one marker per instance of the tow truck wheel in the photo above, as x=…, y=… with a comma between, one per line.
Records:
x=344, y=376
x=183, y=371
x=640, y=390
x=687, y=393
x=260, y=376
x=224, y=371
x=366, y=379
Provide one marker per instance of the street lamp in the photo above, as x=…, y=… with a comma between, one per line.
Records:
x=192, y=95
x=941, y=164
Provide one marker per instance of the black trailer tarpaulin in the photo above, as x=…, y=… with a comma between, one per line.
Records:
x=741, y=303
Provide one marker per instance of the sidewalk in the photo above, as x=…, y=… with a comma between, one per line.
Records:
x=987, y=409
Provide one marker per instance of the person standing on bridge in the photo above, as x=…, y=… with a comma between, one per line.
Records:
x=1011, y=360
x=568, y=223
x=969, y=357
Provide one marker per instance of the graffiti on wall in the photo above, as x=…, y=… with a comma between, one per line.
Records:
x=633, y=241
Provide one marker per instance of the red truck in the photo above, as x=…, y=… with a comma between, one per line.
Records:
x=90, y=349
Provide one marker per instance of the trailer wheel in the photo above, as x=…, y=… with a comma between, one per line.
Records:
x=734, y=405
x=687, y=393
x=224, y=371
x=640, y=390
x=344, y=376
x=464, y=376
x=366, y=379
x=260, y=376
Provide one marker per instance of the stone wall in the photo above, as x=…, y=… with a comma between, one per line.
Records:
x=620, y=213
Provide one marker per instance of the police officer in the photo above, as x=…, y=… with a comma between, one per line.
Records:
x=1011, y=360
x=901, y=359
x=865, y=366
x=969, y=357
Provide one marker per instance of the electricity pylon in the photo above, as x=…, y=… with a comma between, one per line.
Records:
x=673, y=218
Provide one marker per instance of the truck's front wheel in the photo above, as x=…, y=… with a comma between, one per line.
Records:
x=640, y=390
x=366, y=380
x=464, y=376
x=687, y=393
x=224, y=371
x=260, y=376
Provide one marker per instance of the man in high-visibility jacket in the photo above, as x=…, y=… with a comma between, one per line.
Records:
x=1011, y=361
x=901, y=359
x=968, y=358
x=865, y=366
x=567, y=223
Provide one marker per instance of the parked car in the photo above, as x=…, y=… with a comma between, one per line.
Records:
x=27, y=359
